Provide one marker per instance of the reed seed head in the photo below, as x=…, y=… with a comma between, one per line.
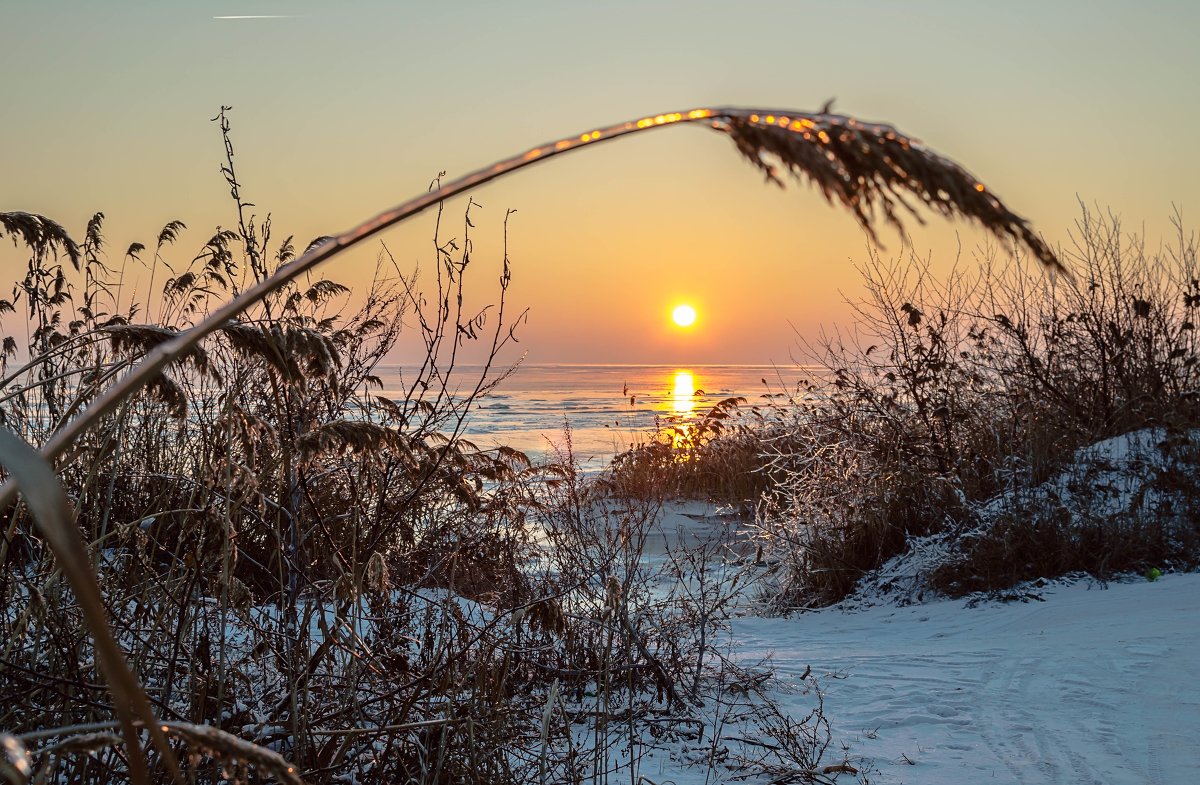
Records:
x=869, y=168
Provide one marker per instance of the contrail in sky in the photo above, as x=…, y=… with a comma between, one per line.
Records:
x=256, y=16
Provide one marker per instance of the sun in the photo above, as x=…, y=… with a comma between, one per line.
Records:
x=684, y=315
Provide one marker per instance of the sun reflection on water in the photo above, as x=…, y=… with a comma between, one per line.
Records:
x=683, y=404
x=683, y=397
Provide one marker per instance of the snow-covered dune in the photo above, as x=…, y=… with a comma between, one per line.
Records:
x=1092, y=684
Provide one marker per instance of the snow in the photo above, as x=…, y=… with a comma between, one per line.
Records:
x=1115, y=476
x=1116, y=479
x=1092, y=684
x=1077, y=681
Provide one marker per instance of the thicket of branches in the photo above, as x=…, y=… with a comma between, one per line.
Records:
x=310, y=579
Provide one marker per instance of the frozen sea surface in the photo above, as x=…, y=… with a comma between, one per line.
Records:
x=608, y=408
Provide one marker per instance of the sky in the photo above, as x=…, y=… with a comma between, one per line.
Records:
x=343, y=109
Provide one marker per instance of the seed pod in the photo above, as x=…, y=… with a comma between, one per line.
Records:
x=239, y=594
x=344, y=588
x=377, y=573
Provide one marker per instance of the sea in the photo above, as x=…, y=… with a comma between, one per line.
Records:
x=602, y=410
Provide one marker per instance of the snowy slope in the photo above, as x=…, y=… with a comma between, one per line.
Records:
x=1091, y=685
x=1125, y=482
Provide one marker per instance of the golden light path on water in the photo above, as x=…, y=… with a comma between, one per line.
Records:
x=610, y=409
x=684, y=393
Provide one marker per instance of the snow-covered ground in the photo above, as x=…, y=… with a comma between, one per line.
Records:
x=1092, y=684
x=1074, y=681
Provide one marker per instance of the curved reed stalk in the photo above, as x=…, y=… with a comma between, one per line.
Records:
x=49, y=508
x=90, y=737
x=865, y=167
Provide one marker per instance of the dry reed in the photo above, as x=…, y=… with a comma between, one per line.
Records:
x=263, y=456
x=864, y=165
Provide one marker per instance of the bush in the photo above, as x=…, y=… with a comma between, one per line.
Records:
x=948, y=394
x=717, y=457
x=294, y=564
x=1127, y=504
x=253, y=511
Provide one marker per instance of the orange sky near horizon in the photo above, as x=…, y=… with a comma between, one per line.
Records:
x=341, y=110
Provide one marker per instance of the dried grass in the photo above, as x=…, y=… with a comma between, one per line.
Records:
x=951, y=395
x=865, y=166
x=267, y=492
x=868, y=167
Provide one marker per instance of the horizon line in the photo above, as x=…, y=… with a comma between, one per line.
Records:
x=773, y=366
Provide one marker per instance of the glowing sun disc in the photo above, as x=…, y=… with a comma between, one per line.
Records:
x=684, y=315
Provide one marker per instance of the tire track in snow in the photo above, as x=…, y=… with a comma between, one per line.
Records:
x=1090, y=686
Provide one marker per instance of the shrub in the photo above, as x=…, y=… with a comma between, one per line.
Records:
x=716, y=457
x=267, y=526
x=952, y=393
x=1127, y=504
